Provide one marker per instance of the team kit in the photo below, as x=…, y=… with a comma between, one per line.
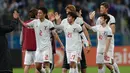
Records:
x=40, y=32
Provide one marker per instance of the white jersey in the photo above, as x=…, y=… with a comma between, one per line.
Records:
x=79, y=20
x=102, y=34
x=73, y=38
x=42, y=32
x=111, y=21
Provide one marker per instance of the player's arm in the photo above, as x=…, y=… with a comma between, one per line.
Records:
x=86, y=34
x=108, y=41
x=113, y=27
x=92, y=16
x=112, y=24
x=87, y=26
x=56, y=37
x=59, y=27
x=85, y=41
x=10, y=27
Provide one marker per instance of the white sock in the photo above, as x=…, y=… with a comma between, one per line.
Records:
x=76, y=70
x=78, y=67
x=116, y=68
x=72, y=70
x=104, y=69
x=100, y=71
x=43, y=70
x=47, y=70
x=113, y=71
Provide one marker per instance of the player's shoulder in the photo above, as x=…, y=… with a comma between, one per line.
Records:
x=108, y=28
x=79, y=20
x=111, y=16
x=64, y=20
x=48, y=21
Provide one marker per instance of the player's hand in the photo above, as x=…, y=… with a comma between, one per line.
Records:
x=92, y=15
x=88, y=49
x=57, y=16
x=62, y=46
x=15, y=15
x=106, y=57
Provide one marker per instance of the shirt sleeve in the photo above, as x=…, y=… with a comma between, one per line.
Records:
x=51, y=26
x=79, y=21
x=95, y=28
x=112, y=20
x=31, y=24
x=109, y=32
x=79, y=28
x=10, y=27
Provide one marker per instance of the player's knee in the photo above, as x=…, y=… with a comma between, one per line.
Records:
x=100, y=66
x=64, y=70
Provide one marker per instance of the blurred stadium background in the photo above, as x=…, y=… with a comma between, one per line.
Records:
x=118, y=8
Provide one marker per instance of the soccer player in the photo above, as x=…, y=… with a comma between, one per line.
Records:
x=5, y=57
x=73, y=33
x=79, y=20
x=43, y=29
x=104, y=6
x=105, y=43
x=28, y=42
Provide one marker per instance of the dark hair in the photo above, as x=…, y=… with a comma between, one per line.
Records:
x=32, y=13
x=105, y=4
x=78, y=8
x=105, y=16
x=73, y=14
x=44, y=10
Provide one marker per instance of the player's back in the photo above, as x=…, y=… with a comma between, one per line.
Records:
x=28, y=38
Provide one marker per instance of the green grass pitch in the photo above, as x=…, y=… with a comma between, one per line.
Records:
x=123, y=69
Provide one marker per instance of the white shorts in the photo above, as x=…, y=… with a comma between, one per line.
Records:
x=79, y=54
x=29, y=57
x=43, y=56
x=100, y=58
x=72, y=56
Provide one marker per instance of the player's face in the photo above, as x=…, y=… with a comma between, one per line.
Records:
x=40, y=14
x=67, y=11
x=103, y=9
x=102, y=20
x=51, y=16
x=70, y=19
x=79, y=13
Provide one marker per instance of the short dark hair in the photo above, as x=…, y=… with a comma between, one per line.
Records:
x=44, y=10
x=105, y=16
x=32, y=13
x=105, y=4
x=78, y=8
x=73, y=14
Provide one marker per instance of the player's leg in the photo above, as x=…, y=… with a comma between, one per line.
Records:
x=83, y=62
x=28, y=60
x=115, y=66
x=47, y=58
x=108, y=62
x=65, y=65
x=73, y=60
x=100, y=62
x=39, y=61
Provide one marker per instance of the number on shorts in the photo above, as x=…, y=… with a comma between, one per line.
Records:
x=46, y=57
x=73, y=57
